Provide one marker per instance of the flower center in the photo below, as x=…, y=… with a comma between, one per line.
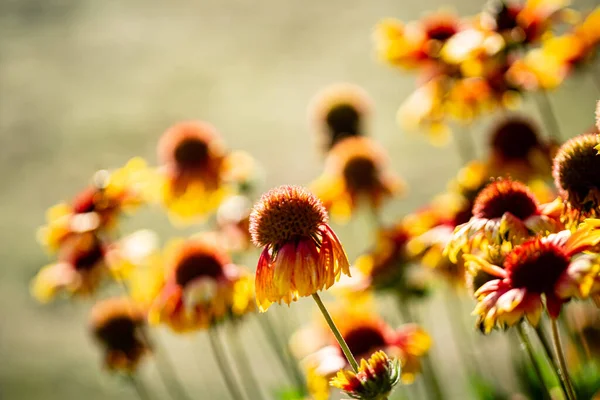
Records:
x=364, y=339
x=83, y=252
x=514, y=139
x=191, y=153
x=577, y=171
x=502, y=196
x=536, y=266
x=285, y=214
x=360, y=174
x=195, y=266
x=119, y=333
x=441, y=31
x=506, y=17
x=343, y=120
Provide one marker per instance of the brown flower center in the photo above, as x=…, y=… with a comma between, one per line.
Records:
x=343, y=120
x=502, y=196
x=195, y=266
x=441, y=31
x=83, y=251
x=536, y=266
x=360, y=174
x=285, y=214
x=119, y=333
x=363, y=340
x=577, y=171
x=514, y=139
x=191, y=153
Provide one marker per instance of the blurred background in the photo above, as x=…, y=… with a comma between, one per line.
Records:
x=88, y=84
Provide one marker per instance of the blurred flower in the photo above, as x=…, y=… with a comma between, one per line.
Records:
x=517, y=151
x=339, y=111
x=117, y=324
x=374, y=380
x=537, y=16
x=241, y=171
x=318, y=385
x=190, y=182
x=356, y=170
x=400, y=45
x=79, y=270
x=201, y=288
x=505, y=210
x=97, y=207
x=554, y=268
x=577, y=176
x=233, y=223
x=539, y=69
x=301, y=254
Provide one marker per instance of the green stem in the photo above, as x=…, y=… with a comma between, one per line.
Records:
x=433, y=386
x=282, y=352
x=563, y=373
x=549, y=354
x=336, y=332
x=545, y=108
x=139, y=387
x=526, y=345
x=243, y=365
x=223, y=364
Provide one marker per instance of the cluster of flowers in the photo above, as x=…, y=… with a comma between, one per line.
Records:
x=470, y=66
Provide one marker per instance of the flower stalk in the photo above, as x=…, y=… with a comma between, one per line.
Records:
x=526, y=345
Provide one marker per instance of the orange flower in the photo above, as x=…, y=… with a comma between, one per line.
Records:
x=339, y=111
x=504, y=211
x=117, y=325
x=356, y=169
x=302, y=254
x=200, y=286
x=555, y=269
x=190, y=183
x=79, y=270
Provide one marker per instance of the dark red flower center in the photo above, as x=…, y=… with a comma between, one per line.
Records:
x=536, y=266
x=506, y=16
x=361, y=174
x=441, y=31
x=503, y=196
x=343, y=120
x=191, y=153
x=514, y=139
x=363, y=340
x=195, y=266
x=83, y=252
x=119, y=333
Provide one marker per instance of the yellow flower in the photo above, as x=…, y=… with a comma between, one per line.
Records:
x=356, y=170
x=117, y=324
x=301, y=254
x=400, y=45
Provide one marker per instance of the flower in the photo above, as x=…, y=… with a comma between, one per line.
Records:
x=79, y=270
x=505, y=210
x=554, y=268
x=400, y=45
x=339, y=111
x=190, y=183
x=576, y=175
x=374, y=380
x=200, y=286
x=517, y=151
x=356, y=169
x=301, y=254
x=233, y=222
x=98, y=206
x=117, y=324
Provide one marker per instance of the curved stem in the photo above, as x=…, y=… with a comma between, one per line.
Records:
x=550, y=121
x=336, y=332
x=526, y=345
x=282, y=352
x=166, y=372
x=139, y=387
x=243, y=366
x=562, y=364
x=223, y=364
x=549, y=354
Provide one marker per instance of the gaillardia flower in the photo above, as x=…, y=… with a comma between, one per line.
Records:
x=577, y=176
x=199, y=290
x=302, y=254
x=505, y=210
x=339, y=111
x=544, y=270
x=79, y=270
x=117, y=324
x=190, y=183
x=374, y=380
x=356, y=169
